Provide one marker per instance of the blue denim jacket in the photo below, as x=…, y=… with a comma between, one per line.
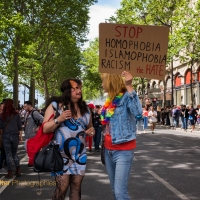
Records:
x=123, y=122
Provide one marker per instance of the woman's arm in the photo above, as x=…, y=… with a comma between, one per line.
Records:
x=50, y=125
x=20, y=136
x=90, y=129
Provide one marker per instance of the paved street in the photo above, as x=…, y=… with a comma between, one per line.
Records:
x=166, y=167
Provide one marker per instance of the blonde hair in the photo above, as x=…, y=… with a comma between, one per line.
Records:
x=114, y=84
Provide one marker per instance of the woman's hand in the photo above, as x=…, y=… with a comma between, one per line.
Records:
x=90, y=131
x=67, y=114
x=128, y=78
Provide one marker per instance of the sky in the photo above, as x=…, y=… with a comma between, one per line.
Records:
x=99, y=12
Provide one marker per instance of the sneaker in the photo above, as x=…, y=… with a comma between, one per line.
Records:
x=2, y=170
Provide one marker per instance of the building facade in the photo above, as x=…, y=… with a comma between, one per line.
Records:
x=184, y=91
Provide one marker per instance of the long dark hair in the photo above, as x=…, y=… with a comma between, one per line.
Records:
x=65, y=98
x=8, y=109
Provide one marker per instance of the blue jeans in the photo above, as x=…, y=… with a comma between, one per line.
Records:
x=185, y=123
x=118, y=165
x=182, y=121
x=97, y=137
x=145, y=122
x=175, y=121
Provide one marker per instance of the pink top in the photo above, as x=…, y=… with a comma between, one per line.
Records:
x=145, y=113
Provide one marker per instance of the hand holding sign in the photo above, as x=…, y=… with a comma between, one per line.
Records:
x=128, y=78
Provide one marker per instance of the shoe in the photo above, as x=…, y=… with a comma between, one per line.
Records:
x=152, y=132
x=2, y=171
x=9, y=175
x=18, y=172
x=90, y=150
x=144, y=131
x=191, y=130
x=29, y=165
x=97, y=150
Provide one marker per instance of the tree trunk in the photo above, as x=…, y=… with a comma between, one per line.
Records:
x=16, y=71
x=32, y=89
x=143, y=87
x=46, y=91
x=172, y=82
x=164, y=94
x=191, y=80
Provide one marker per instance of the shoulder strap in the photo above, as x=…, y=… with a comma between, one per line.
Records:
x=57, y=113
x=35, y=121
x=7, y=123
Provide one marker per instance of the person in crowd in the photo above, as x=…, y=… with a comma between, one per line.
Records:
x=152, y=118
x=70, y=127
x=170, y=117
x=185, y=112
x=97, y=127
x=192, y=114
x=175, y=116
x=11, y=130
x=158, y=110
x=145, y=117
x=163, y=116
x=198, y=116
x=183, y=107
x=167, y=119
x=119, y=115
x=88, y=137
x=41, y=111
x=33, y=119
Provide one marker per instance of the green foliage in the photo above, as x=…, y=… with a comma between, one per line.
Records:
x=4, y=91
x=47, y=36
x=91, y=77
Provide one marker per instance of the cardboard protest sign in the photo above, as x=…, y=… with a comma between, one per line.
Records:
x=139, y=49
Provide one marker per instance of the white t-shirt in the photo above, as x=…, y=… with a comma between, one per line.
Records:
x=153, y=118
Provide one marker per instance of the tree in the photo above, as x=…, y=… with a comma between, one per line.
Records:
x=42, y=27
x=91, y=76
x=189, y=34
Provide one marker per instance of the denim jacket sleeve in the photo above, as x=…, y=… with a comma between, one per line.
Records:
x=134, y=104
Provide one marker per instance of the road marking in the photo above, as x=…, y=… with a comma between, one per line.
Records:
x=4, y=182
x=170, y=187
x=172, y=139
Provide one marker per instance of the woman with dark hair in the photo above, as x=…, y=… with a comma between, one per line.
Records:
x=71, y=126
x=11, y=127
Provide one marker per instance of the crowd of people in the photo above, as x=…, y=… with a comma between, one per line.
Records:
x=182, y=116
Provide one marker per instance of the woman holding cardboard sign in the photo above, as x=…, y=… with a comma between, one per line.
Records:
x=119, y=115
